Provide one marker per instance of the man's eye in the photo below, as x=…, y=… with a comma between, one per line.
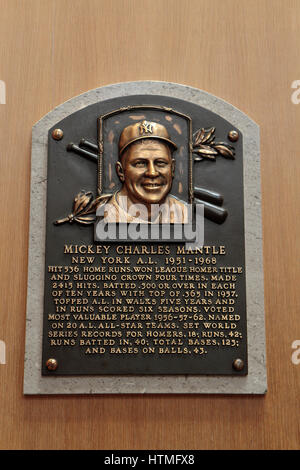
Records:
x=161, y=163
x=139, y=164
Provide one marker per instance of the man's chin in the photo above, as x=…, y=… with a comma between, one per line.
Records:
x=153, y=199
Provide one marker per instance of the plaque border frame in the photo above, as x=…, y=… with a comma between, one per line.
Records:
x=256, y=380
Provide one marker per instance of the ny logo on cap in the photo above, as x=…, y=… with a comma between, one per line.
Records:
x=146, y=127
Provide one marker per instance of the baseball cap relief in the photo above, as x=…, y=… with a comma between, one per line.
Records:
x=144, y=130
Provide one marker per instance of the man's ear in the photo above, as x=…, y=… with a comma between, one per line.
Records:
x=120, y=171
x=173, y=167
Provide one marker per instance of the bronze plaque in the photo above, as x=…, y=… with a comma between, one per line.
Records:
x=128, y=289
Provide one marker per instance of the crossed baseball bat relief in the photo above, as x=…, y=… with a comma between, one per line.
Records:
x=204, y=146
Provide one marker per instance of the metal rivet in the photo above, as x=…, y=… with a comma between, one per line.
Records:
x=51, y=364
x=57, y=134
x=233, y=136
x=238, y=364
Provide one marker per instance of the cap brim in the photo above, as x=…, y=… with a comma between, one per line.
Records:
x=164, y=139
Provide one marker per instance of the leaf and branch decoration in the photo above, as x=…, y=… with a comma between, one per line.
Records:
x=205, y=146
x=84, y=208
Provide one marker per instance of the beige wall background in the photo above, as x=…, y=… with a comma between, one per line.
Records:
x=244, y=51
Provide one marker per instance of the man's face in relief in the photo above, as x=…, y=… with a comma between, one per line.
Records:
x=146, y=170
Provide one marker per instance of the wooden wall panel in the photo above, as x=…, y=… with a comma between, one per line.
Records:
x=244, y=51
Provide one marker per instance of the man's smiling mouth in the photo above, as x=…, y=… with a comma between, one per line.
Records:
x=152, y=185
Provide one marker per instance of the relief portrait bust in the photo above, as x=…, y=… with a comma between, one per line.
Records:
x=146, y=168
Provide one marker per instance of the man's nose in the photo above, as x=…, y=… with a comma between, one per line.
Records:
x=151, y=170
